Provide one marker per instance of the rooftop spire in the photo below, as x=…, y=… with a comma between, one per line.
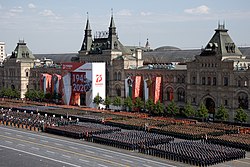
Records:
x=112, y=23
x=87, y=24
x=221, y=26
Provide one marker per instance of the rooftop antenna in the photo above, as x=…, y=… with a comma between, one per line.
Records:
x=87, y=15
x=112, y=12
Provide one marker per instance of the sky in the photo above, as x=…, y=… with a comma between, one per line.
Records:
x=57, y=26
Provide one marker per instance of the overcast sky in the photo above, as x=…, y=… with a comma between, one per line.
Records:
x=56, y=26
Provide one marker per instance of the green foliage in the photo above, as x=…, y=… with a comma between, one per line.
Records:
x=172, y=108
x=150, y=105
x=117, y=101
x=10, y=93
x=138, y=104
x=189, y=110
x=15, y=94
x=48, y=96
x=158, y=108
x=202, y=112
x=41, y=95
x=107, y=102
x=34, y=94
x=222, y=114
x=241, y=116
x=128, y=103
x=98, y=99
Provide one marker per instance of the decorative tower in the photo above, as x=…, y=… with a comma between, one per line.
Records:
x=112, y=37
x=222, y=45
x=19, y=65
x=147, y=46
x=87, y=41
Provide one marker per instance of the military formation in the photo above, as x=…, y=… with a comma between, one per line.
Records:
x=195, y=153
x=239, y=140
x=131, y=139
x=206, y=150
x=81, y=130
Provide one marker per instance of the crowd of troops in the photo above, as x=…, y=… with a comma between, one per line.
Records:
x=81, y=130
x=240, y=140
x=30, y=119
x=131, y=139
x=188, y=132
x=195, y=153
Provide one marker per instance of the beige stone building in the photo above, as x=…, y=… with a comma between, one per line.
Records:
x=216, y=75
x=16, y=71
x=106, y=47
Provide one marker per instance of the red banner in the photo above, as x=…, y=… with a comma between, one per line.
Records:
x=157, y=90
x=79, y=82
x=45, y=83
x=136, y=86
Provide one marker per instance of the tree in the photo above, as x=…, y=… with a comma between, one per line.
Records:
x=48, y=96
x=222, y=114
x=138, y=104
x=107, y=102
x=202, y=112
x=189, y=110
x=10, y=93
x=117, y=101
x=150, y=105
x=31, y=94
x=172, y=108
x=158, y=108
x=41, y=95
x=35, y=94
x=15, y=93
x=241, y=116
x=128, y=103
x=98, y=100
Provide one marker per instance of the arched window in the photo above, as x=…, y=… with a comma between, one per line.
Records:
x=209, y=80
x=226, y=80
x=214, y=81
x=118, y=90
x=239, y=83
x=170, y=94
x=13, y=87
x=27, y=72
x=183, y=80
x=178, y=80
x=181, y=94
x=194, y=80
x=115, y=76
x=245, y=83
x=119, y=76
x=203, y=80
x=243, y=100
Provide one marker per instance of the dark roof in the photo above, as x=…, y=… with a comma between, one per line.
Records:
x=245, y=51
x=167, y=48
x=22, y=51
x=166, y=56
x=58, y=58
